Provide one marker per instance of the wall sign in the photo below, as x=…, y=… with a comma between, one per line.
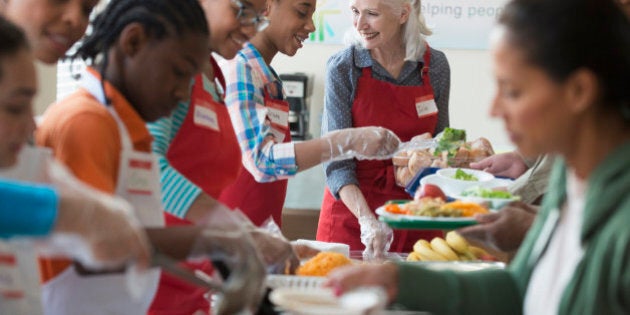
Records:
x=458, y=24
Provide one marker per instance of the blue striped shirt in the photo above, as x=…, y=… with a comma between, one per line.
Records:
x=178, y=193
x=246, y=76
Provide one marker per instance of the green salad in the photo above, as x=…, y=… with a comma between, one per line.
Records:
x=461, y=175
x=487, y=193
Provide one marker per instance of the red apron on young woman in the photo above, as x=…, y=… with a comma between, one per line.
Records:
x=257, y=200
x=407, y=111
x=205, y=150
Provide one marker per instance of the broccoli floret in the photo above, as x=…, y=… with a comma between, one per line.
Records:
x=450, y=140
x=450, y=135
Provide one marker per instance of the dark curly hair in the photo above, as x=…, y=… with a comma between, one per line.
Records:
x=158, y=17
x=12, y=40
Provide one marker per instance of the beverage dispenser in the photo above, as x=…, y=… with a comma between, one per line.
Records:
x=297, y=92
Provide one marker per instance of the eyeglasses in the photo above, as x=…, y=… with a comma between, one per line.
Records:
x=248, y=17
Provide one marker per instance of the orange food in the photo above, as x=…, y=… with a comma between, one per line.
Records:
x=322, y=264
x=395, y=208
x=468, y=209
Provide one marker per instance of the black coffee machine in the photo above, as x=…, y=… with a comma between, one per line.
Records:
x=297, y=91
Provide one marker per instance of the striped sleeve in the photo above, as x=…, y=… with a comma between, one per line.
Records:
x=178, y=193
x=265, y=159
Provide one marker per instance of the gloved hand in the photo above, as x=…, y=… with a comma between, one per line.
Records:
x=362, y=143
x=376, y=236
x=243, y=289
x=95, y=229
x=509, y=164
x=276, y=251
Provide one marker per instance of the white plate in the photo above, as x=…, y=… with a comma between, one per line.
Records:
x=408, y=217
x=452, y=191
x=322, y=301
x=462, y=266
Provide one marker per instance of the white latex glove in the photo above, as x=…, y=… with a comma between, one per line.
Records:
x=243, y=289
x=363, y=143
x=95, y=229
x=376, y=236
x=275, y=250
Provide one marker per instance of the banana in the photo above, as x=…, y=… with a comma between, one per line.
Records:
x=478, y=252
x=440, y=246
x=457, y=242
x=464, y=257
x=413, y=256
x=423, y=249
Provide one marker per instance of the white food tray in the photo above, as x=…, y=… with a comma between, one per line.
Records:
x=296, y=282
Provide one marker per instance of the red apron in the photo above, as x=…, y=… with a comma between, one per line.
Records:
x=207, y=125
x=407, y=111
x=205, y=149
x=178, y=297
x=260, y=200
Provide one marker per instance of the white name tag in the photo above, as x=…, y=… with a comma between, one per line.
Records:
x=278, y=116
x=206, y=117
x=425, y=106
x=139, y=178
x=9, y=274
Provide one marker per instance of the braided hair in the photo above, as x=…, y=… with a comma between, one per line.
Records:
x=12, y=39
x=159, y=18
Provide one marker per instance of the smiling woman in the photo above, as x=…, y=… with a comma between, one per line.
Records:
x=259, y=113
x=52, y=27
x=18, y=86
x=388, y=77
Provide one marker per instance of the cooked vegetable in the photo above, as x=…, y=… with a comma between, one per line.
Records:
x=466, y=209
x=487, y=193
x=461, y=175
x=395, y=209
x=450, y=140
x=322, y=264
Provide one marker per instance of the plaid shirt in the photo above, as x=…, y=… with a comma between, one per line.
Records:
x=246, y=77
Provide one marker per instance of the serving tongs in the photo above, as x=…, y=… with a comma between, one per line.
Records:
x=198, y=278
x=230, y=301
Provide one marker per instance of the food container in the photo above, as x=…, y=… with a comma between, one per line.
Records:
x=415, y=159
x=447, y=175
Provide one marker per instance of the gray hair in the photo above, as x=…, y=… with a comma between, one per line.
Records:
x=414, y=30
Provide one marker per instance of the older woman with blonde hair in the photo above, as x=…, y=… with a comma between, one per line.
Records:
x=388, y=77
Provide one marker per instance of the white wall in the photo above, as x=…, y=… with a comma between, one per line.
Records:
x=472, y=88
x=47, y=89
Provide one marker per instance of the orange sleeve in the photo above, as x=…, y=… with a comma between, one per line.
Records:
x=85, y=138
x=89, y=145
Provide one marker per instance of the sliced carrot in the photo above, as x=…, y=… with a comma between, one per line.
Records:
x=395, y=208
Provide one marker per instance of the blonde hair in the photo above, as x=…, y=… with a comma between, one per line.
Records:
x=414, y=30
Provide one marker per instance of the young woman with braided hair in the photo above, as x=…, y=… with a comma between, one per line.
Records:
x=144, y=54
